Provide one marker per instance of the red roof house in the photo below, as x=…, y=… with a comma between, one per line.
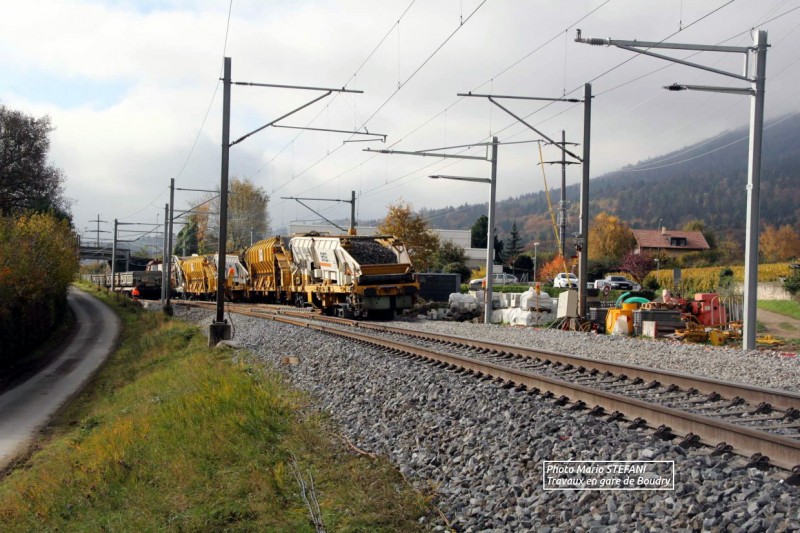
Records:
x=667, y=241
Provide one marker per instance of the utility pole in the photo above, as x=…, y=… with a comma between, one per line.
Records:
x=584, y=222
x=583, y=239
x=97, y=232
x=562, y=204
x=114, y=256
x=487, y=304
x=168, y=258
x=220, y=329
x=164, y=257
x=755, y=74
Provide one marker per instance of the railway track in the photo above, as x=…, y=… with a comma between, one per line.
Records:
x=758, y=423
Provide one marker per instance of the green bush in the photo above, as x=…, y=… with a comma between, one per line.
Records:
x=792, y=283
x=458, y=268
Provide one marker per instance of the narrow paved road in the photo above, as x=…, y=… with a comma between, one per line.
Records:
x=26, y=408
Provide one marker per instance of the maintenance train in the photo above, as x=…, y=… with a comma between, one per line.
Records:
x=345, y=275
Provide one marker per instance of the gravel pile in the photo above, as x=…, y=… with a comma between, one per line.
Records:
x=480, y=447
x=764, y=368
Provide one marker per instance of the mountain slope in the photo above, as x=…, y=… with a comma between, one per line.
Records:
x=704, y=181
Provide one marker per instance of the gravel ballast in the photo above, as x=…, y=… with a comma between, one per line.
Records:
x=480, y=447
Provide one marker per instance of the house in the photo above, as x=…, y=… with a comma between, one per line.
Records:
x=668, y=242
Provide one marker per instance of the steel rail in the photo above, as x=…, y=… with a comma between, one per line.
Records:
x=782, y=451
x=779, y=399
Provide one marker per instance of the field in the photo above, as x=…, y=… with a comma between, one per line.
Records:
x=172, y=435
x=707, y=279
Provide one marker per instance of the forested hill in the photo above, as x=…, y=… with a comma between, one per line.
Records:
x=704, y=181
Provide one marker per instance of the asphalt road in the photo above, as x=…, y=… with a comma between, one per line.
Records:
x=26, y=408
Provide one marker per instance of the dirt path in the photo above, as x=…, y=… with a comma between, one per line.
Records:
x=779, y=325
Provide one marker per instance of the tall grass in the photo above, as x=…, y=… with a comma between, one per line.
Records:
x=174, y=436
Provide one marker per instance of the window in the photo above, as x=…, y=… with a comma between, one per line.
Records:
x=677, y=241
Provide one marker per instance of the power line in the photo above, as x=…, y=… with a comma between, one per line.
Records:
x=352, y=77
x=392, y=95
x=503, y=71
x=710, y=151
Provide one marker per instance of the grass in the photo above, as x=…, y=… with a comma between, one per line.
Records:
x=171, y=435
x=790, y=308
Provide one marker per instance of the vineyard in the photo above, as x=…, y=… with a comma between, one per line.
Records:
x=708, y=279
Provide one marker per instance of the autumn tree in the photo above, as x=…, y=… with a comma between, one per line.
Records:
x=549, y=270
x=38, y=262
x=778, y=244
x=609, y=237
x=638, y=265
x=247, y=217
x=699, y=225
x=413, y=230
x=27, y=181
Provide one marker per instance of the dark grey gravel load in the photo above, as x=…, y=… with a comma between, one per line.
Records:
x=480, y=447
x=370, y=252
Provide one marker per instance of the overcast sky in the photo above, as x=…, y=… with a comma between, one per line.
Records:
x=132, y=90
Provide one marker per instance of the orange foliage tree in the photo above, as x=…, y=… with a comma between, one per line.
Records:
x=609, y=237
x=549, y=270
x=413, y=230
x=778, y=244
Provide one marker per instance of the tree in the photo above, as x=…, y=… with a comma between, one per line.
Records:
x=498, y=250
x=609, y=237
x=778, y=244
x=458, y=268
x=27, y=181
x=522, y=263
x=186, y=244
x=638, y=265
x=449, y=252
x=247, y=215
x=480, y=230
x=550, y=269
x=514, y=244
x=412, y=229
x=699, y=225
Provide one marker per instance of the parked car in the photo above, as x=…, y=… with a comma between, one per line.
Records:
x=617, y=283
x=564, y=280
x=497, y=279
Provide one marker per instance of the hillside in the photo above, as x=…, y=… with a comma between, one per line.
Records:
x=704, y=181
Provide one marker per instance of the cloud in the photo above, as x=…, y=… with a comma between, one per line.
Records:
x=128, y=84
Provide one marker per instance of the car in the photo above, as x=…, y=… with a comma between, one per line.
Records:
x=497, y=279
x=617, y=283
x=564, y=280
